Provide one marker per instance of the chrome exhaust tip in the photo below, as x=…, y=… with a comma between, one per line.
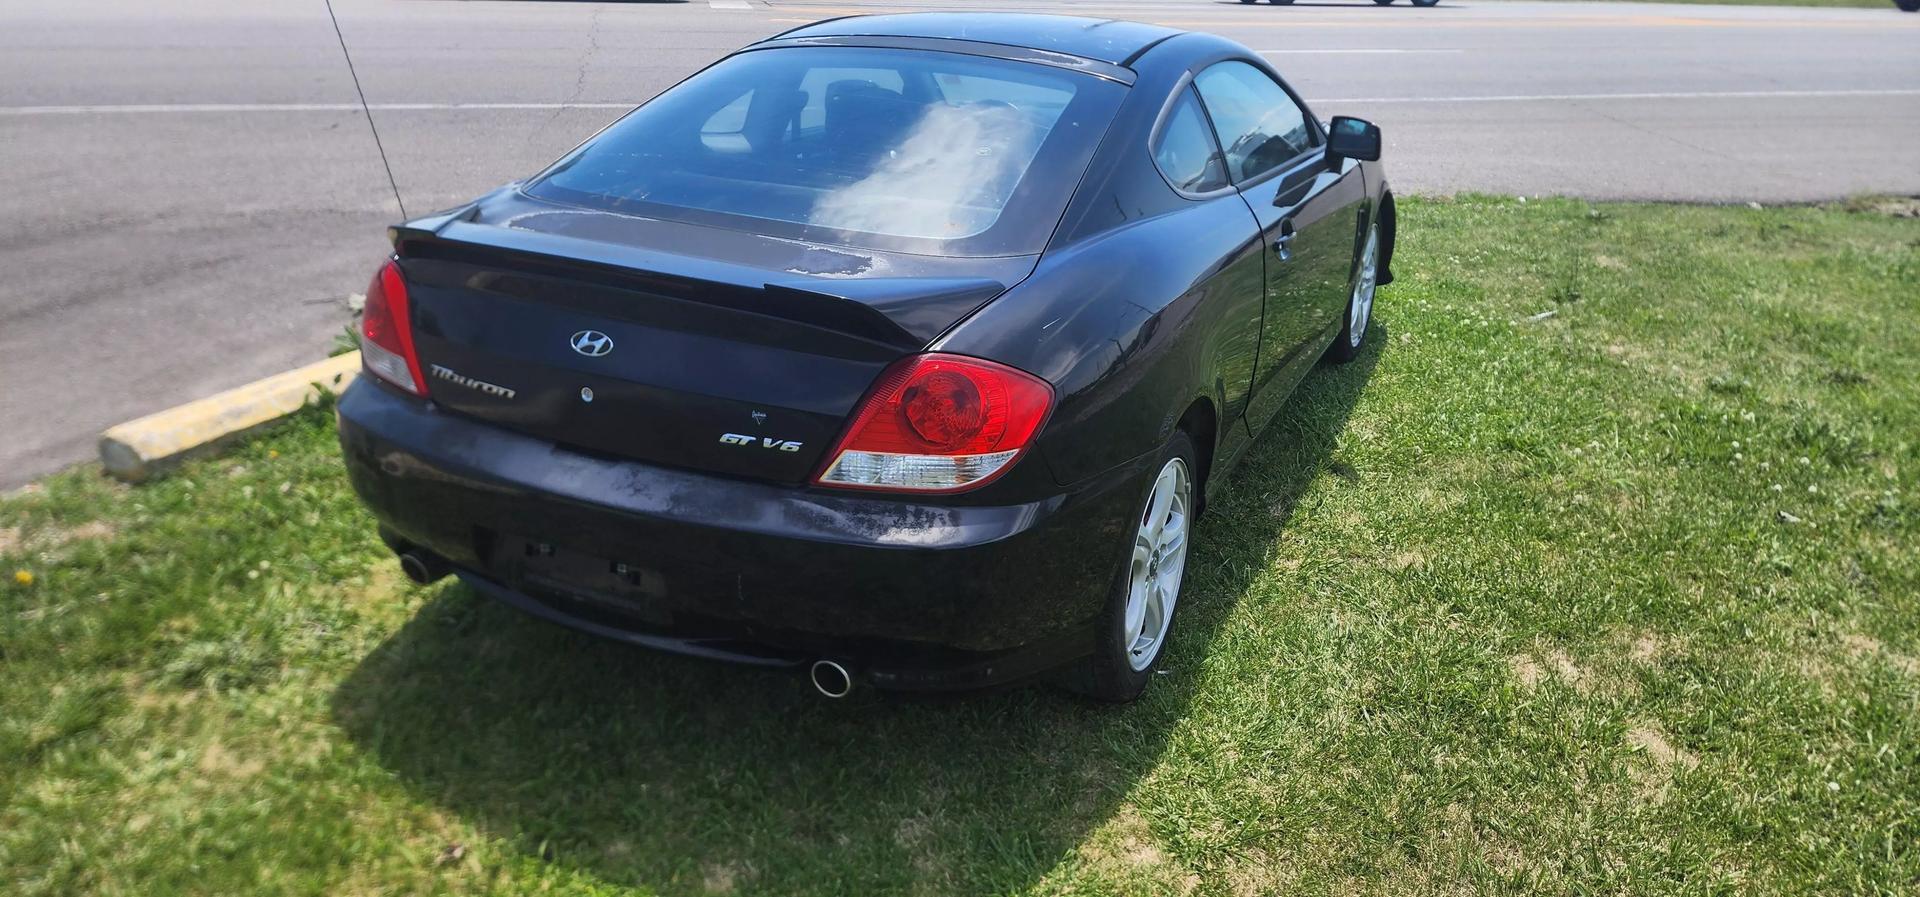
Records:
x=423, y=567
x=831, y=679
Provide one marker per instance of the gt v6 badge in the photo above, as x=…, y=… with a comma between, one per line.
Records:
x=766, y=442
x=449, y=375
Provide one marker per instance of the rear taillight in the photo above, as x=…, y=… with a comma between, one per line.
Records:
x=939, y=423
x=386, y=332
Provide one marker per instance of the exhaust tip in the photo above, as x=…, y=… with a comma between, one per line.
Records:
x=831, y=679
x=421, y=567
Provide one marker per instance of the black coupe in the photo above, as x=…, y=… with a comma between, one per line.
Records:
x=901, y=349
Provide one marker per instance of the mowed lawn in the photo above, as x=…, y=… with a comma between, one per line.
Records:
x=1600, y=573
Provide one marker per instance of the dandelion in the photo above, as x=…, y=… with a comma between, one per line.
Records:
x=23, y=577
x=273, y=453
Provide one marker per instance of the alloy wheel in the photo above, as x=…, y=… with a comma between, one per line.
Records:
x=1159, y=563
x=1361, y=308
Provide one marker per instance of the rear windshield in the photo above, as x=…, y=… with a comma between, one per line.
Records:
x=906, y=150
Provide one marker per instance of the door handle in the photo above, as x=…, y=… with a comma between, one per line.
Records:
x=1283, y=244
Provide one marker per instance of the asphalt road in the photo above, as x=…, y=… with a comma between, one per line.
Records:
x=188, y=188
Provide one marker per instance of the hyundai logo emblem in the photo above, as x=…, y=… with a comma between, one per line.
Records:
x=592, y=343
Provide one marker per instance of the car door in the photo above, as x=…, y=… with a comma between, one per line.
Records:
x=1188, y=156
x=1308, y=212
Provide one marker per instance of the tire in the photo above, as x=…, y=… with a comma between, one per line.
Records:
x=1908, y=5
x=1383, y=2
x=1426, y=3
x=1249, y=2
x=1146, y=586
x=1359, y=314
x=1281, y=2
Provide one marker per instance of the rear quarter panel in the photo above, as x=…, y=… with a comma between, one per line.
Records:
x=1130, y=327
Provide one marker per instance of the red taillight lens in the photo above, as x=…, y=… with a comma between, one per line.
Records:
x=386, y=332
x=939, y=423
x=944, y=409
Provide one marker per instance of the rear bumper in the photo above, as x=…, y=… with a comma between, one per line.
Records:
x=921, y=596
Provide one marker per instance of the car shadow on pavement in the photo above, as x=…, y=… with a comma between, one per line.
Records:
x=677, y=775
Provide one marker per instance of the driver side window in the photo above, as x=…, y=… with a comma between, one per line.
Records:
x=1260, y=125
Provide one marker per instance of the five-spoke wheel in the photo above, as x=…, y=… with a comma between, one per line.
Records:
x=1159, y=560
x=1140, y=610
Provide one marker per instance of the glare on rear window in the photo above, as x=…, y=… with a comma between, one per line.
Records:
x=938, y=151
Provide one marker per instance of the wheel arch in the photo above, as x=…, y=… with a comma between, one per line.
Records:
x=1389, y=225
x=1201, y=423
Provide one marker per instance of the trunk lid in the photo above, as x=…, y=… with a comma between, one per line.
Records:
x=699, y=347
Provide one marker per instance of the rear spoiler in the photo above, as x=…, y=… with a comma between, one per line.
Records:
x=900, y=312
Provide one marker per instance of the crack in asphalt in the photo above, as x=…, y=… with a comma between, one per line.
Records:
x=1657, y=134
x=579, y=78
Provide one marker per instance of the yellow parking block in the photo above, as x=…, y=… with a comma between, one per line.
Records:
x=137, y=449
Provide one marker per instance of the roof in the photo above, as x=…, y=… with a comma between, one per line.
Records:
x=1104, y=40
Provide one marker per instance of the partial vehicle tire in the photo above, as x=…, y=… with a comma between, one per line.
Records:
x=1281, y=2
x=1426, y=2
x=1383, y=2
x=1139, y=614
x=1353, y=333
x=1908, y=5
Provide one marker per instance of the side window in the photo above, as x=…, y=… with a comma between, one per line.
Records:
x=1186, y=152
x=1259, y=124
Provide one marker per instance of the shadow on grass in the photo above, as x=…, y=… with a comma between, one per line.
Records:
x=678, y=775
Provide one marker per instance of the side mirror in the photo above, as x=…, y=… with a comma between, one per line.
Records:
x=1353, y=138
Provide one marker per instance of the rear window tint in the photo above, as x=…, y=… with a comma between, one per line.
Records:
x=894, y=149
x=1186, y=152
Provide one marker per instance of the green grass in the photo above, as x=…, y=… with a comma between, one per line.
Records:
x=1621, y=600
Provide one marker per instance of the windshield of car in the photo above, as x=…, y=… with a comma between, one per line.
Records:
x=889, y=149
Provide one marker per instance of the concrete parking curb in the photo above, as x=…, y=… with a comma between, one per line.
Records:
x=140, y=448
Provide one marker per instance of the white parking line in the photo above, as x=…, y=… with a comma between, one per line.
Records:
x=729, y=4
x=155, y=108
